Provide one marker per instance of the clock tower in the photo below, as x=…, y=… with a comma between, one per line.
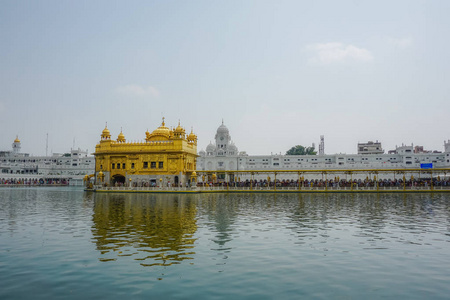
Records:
x=222, y=139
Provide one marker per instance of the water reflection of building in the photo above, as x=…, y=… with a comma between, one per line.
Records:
x=153, y=229
x=222, y=211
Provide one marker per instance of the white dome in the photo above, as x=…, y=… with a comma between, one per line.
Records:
x=223, y=129
x=210, y=148
x=202, y=152
x=233, y=148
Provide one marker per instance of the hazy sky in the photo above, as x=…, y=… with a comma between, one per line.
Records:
x=279, y=73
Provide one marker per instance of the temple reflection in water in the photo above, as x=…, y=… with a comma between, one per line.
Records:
x=153, y=229
x=166, y=229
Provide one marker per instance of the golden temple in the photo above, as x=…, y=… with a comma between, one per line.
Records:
x=167, y=157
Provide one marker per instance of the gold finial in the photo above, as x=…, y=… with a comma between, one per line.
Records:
x=163, y=124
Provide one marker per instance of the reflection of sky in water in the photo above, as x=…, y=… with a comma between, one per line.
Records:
x=251, y=246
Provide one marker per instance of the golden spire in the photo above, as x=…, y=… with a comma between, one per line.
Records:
x=121, y=137
x=105, y=133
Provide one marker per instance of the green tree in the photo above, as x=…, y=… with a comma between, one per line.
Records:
x=300, y=150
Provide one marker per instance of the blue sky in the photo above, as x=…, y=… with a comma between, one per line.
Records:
x=279, y=73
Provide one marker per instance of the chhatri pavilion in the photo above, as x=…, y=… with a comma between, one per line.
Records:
x=167, y=157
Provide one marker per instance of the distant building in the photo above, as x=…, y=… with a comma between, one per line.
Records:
x=71, y=166
x=370, y=148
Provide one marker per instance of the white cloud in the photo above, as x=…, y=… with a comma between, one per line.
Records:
x=138, y=91
x=328, y=53
x=401, y=42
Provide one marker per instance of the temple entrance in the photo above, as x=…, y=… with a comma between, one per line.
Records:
x=119, y=179
x=176, y=180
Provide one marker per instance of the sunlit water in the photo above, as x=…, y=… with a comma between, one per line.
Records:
x=67, y=244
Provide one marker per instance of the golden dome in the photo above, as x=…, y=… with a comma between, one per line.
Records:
x=17, y=139
x=159, y=134
x=194, y=174
x=179, y=132
x=179, y=128
x=191, y=136
x=105, y=133
x=121, y=137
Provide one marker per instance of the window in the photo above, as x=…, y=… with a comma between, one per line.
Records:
x=113, y=166
x=153, y=165
x=132, y=165
x=118, y=165
x=123, y=166
x=160, y=164
x=145, y=164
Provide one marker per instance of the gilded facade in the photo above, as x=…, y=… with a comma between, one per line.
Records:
x=166, y=157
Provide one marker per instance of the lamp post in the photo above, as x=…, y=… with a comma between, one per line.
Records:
x=214, y=178
x=194, y=179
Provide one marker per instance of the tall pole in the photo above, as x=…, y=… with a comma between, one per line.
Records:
x=351, y=180
x=275, y=181
x=431, y=173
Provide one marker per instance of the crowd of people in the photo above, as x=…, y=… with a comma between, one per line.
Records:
x=335, y=183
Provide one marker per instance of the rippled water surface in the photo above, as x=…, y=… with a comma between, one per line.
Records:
x=67, y=244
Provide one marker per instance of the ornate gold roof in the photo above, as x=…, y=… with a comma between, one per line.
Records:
x=159, y=134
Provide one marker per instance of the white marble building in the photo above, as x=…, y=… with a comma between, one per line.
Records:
x=72, y=166
x=224, y=155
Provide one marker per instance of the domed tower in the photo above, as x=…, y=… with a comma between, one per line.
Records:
x=223, y=138
x=192, y=138
x=179, y=132
x=106, y=135
x=121, y=137
x=232, y=149
x=16, y=145
x=210, y=149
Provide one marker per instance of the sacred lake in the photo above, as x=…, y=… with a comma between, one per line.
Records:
x=64, y=243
